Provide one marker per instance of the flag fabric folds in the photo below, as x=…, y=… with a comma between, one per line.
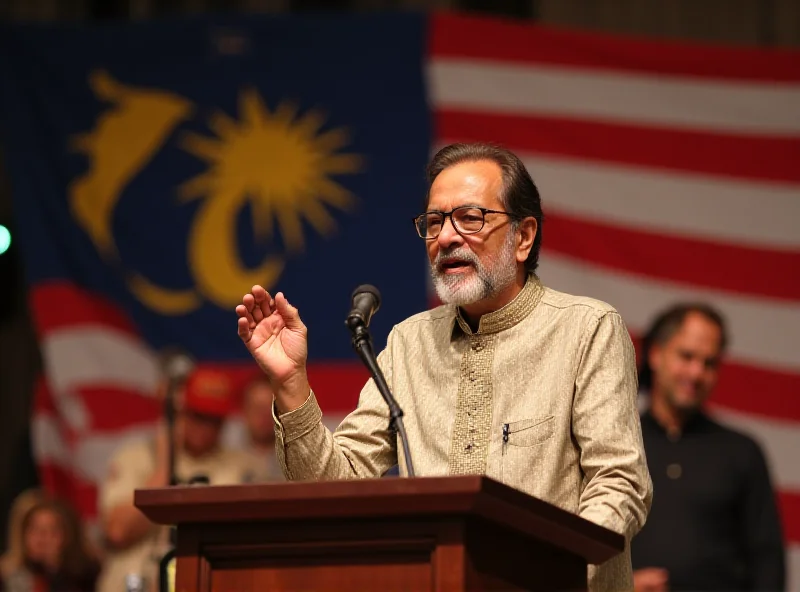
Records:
x=161, y=169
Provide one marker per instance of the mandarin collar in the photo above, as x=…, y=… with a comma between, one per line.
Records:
x=509, y=315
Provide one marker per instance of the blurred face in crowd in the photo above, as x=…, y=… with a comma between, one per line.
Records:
x=257, y=411
x=467, y=268
x=44, y=538
x=685, y=368
x=200, y=432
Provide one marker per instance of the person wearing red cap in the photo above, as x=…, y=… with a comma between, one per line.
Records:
x=135, y=544
x=255, y=433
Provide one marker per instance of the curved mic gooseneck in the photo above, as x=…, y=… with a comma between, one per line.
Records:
x=366, y=302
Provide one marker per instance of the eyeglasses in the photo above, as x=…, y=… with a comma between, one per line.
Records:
x=465, y=219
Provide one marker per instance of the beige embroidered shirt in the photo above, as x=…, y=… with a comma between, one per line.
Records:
x=541, y=397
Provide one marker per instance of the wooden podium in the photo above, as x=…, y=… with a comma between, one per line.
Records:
x=429, y=533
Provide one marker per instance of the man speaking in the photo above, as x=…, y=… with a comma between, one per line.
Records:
x=532, y=387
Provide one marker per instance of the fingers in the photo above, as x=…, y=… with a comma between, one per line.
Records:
x=244, y=329
x=290, y=314
x=264, y=304
x=244, y=313
x=256, y=305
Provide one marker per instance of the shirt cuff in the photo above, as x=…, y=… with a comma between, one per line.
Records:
x=298, y=422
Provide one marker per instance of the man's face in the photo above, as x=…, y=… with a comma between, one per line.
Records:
x=201, y=433
x=685, y=368
x=257, y=412
x=472, y=267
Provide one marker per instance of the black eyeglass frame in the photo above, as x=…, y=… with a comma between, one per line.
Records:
x=446, y=215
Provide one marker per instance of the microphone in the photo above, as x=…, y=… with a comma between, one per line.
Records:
x=176, y=365
x=366, y=302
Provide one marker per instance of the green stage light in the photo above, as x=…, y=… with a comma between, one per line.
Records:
x=5, y=239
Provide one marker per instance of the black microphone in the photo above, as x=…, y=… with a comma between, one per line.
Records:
x=366, y=302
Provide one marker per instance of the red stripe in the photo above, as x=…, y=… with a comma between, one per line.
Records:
x=62, y=304
x=112, y=409
x=43, y=402
x=739, y=156
x=85, y=498
x=56, y=480
x=789, y=503
x=752, y=390
x=64, y=484
x=758, y=391
x=690, y=261
x=502, y=40
x=337, y=385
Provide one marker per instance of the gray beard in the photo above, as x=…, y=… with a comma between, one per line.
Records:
x=486, y=280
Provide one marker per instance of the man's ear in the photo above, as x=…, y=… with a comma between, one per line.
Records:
x=527, y=229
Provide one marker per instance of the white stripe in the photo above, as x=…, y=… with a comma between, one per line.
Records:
x=85, y=356
x=780, y=441
x=764, y=332
x=92, y=454
x=47, y=442
x=90, y=457
x=751, y=107
x=793, y=568
x=747, y=213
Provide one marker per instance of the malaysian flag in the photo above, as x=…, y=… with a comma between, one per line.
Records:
x=668, y=172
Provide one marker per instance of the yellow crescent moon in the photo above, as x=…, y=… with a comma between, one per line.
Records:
x=213, y=252
x=163, y=300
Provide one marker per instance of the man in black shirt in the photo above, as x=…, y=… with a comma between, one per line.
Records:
x=714, y=522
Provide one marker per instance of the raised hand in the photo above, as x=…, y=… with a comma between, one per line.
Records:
x=275, y=336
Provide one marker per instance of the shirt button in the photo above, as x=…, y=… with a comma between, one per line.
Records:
x=674, y=471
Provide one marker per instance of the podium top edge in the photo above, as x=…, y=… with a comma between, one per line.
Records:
x=389, y=498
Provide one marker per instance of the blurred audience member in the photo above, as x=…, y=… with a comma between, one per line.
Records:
x=714, y=523
x=48, y=550
x=256, y=434
x=135, y=544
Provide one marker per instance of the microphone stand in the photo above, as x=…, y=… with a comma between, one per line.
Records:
x=362, y=343
x=176, y=367
x=169, y=416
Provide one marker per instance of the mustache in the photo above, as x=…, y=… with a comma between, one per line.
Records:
x=459, y=253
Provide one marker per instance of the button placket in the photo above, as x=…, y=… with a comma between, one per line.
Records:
x=470, y=432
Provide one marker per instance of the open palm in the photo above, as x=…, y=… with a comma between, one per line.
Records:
x=273, y=333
